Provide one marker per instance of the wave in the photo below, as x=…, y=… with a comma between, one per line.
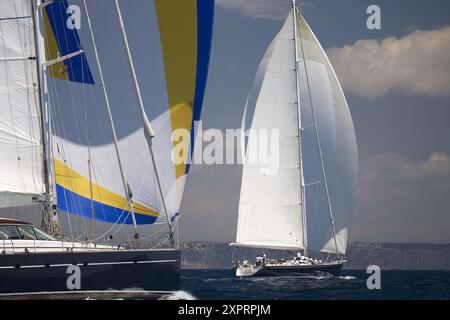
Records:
x=179, y=295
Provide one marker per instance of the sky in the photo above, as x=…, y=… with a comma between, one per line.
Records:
x=397, y=83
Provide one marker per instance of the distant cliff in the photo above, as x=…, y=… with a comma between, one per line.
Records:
x=404, y=256
x=209, y=255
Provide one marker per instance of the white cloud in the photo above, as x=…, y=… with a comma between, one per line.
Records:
x=402, y=201
x=418, y=63
x=437, y=165
x=396, y=166
x=265, y=9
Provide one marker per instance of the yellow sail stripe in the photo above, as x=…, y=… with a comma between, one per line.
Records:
x=73, y=181
x=57, y=70
x=178, y=32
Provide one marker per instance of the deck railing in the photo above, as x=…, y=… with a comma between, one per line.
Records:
x=29, y=246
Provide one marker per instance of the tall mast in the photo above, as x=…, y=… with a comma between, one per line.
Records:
x=49, y=220
x=300, y=130
x=148, y=131
x=126, y=186
x=319, y=148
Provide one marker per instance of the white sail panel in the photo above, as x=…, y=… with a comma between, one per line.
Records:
x=172, y=85
x=87, y=173
x=270, y=203
x=21, y=151
x=72, y=159
x=338, y=144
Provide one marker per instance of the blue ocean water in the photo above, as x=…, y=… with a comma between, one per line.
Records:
x=223, y=284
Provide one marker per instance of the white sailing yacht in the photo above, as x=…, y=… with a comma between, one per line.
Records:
x=306, y=205
x=61, y=153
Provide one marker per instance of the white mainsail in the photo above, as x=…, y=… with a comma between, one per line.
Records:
x=21, y=151
x=270, y=208
x=270, y=212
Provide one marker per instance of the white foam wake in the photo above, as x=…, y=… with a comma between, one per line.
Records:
x=179, y=295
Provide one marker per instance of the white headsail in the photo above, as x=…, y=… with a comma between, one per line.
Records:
x=321, y=92
x=21, y=151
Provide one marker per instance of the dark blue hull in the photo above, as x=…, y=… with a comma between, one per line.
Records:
x=150, y=270
x=271, y=271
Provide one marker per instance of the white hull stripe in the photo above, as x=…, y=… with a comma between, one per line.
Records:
x=85, y=292
x=156, y=261
x=33, y=266
x=89, y=264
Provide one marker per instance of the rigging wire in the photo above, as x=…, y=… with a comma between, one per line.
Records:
x=82, y=132
x=319, y=147
x=71, y=87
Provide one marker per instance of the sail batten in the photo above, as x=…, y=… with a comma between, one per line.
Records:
x=62, y=41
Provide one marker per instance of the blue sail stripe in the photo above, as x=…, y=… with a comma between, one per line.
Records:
x=73, y=203
x=205, y=20
x=68, y=42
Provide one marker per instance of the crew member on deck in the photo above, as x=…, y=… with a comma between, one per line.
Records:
x=259, y=260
